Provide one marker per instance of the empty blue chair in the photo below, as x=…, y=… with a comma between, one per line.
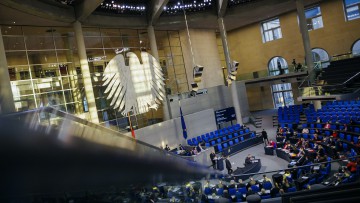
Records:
x=242, y=139
x=213, y=143
x=199, y=139
x=242, y=190
x=224, y=138
x=357, y=130
x=236, y=140
x=235, y=134
x=247, y=130
x=319, y=125
x=211, y=136
x=189, y=142
x=225, y=145
x=312, y=131
x=218, y=140
x=356, y=139
x=305, y=136
x=230, y=136
x=327, y=133
x=312, y=125
x=202, y=137
x=241, y=132
x=219, y=147
x=345, y=146
x=231, y=143
x=265, y=196
x=207, y=144
x=348, y=138
x=342, y=136
x=194, y=141
x=304, y=125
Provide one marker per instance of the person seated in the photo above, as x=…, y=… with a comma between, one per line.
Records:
x=316, y=137
x=352, y=166
x=220, y=184
x=232, y=184
x=266, y=179
x=249, y=192
x=321, y=151
x=286, y=174
x=287, y=145
x=286, y=184
x=240, y=184
x=339, y=146
x=263, y=192
x=248, y=159
x=251, y=182
x=301, y=152
x=318, y=120
x=335, y=134
x=272, y=143
x=180, y=147
x=167, y=148
x=199, y=148
x=194, y=151
x=274, y=192
x=331, y=142
x=305, y=130
x=300, y=142
x=345, y=127
x=306, y=161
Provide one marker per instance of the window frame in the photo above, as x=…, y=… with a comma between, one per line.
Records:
x=352, y=5
x=272, y=30
x=314, y=17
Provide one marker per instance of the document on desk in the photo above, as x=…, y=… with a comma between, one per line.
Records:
x=316, y=167
x=304, y=177
x=255, y=161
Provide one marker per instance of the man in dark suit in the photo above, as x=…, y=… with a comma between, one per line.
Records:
x=248, y=159
x=265, y=136
x=212, y=158
x=228, y=165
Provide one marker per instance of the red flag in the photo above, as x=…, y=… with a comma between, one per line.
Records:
x=132, y=131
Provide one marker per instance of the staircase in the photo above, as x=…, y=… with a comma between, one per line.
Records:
x=275, y=121
x=258, y=122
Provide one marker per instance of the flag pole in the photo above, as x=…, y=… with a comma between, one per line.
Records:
x=131, y=127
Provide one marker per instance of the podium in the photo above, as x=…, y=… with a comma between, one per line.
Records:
x=269, y=150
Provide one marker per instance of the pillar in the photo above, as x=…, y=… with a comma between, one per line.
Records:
x=85, y=72
x=234, y=93
x=6, y=97
x=307, y=47
x=155, y=53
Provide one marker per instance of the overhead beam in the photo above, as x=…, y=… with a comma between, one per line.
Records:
x=156, y=8
x=222, y=6
x=83, y=10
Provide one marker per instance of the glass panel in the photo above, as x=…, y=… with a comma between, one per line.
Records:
x=39, y=42
x=50, y=99
x=13, y=43
x=42, y=57
x=356, y=48
x=351, y=2
x=312, y=12
x=91, y=31
x=106, y=115
x=24, y=103
x=269, y=36
x=278, y=99
x=276, y=65
x=16, y=58
x=112, y=42
x=352, y=12
x=271, y=24
x=69, y=98
x=47, y=85
x=38, y=31
x=110, y=32
x=64, y=56
x=20, y=88
x=320, y=55
x=288, y=98
x=11, y=30
x=317, y=23
x=66, y=83
x=65, y=42
x=93, y=42
x=277, y=33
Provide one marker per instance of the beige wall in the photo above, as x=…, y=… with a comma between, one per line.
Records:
x=247, y=47
x=206, y=53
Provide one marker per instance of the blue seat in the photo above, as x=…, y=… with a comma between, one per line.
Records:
x=305, y=136
x=357, y=129
x=207, y=191
x=207, y=144
x=342, y=136
x=345, y=146
x=236, y=140
x=319, y=125
x=220, y=191
x=224, y=138
x=235, y=134
x=291, y=189
x=247, y=130
x=304, y=125
x=267, y=185
x=242, y=138
x=312, y=181
x=213, y=143
x=232, y=191
x=218, y=140
x=327, y=133
x=265, y=196
x=199, y=139
x=219, y=147
x=356, y=139
x=241, y=132
x=255, y=188
x=189, y=142
x=231, y=143
x=242, y=190
x=230, y=136
x=348, y=138
x=225, y=145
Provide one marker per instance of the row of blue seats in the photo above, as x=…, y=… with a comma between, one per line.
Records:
x=348, y=137
x=223, y=146
x=224, y=139
x=334, y=120
x=208, y=137
x=329, y=103
x=332, y=126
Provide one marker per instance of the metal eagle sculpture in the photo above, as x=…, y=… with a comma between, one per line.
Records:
x=137, y=87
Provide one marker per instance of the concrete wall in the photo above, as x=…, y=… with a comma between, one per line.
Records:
x=204, y=45
x=170, y=132
x=247, y=47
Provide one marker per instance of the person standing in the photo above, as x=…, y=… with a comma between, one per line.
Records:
x=212, y=158
x=264, y=136
x=280, y=69
x=228, y=165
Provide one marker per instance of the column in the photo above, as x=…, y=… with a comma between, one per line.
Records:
x=234, y=93
x=304, y=34
x=85, y=72
x=307, y=47
x=6, y=97
x=155, y=53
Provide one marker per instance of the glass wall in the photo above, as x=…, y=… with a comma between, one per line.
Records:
x=282, y=94
x=44, y=68
x=41, y=64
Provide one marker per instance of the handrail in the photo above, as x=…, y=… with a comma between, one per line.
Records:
x=316, y=67
x=352, y=77
x=71, y=117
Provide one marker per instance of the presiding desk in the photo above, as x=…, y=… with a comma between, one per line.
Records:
x=241, y=173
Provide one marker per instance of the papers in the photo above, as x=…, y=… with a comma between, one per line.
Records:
x=304, y=177
x=316, y=167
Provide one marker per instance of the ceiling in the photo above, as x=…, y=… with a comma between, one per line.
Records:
x=136, y=13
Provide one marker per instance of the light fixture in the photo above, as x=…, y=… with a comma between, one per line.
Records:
x=197, y=73
x=233, y=72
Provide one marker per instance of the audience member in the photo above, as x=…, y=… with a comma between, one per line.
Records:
x=228, y=165
x=212, y=158
x=240, y=184
x=305, y=130
x=265, y=136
